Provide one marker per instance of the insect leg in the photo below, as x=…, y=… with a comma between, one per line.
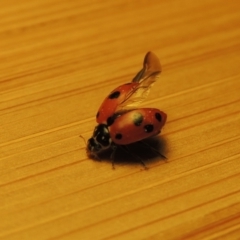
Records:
x=114, y=148
x=126, y=149
x=153, y=149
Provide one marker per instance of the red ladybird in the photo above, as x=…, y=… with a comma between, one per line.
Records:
x=120, y=122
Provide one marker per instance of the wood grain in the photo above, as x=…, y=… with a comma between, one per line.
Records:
x=59, y=59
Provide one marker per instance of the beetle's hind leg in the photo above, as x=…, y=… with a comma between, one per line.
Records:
x=127, y=150
x=153, y=149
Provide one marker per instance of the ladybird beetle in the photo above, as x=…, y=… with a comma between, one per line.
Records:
x=119, y=120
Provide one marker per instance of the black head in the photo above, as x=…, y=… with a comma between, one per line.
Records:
x=99, y=141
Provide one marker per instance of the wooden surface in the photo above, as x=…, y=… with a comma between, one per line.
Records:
x=59, y=59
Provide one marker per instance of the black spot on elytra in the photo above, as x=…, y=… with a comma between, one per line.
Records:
x=113, y=95
x=110, y=121
x=118, y=136
x=148, y=128
x=137, y=119
x=97, y=114
x=158, y=117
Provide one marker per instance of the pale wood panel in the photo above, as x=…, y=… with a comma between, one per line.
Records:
x=59, y=59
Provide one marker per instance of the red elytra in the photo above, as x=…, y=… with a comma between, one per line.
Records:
x=110, y=104
x=137, y=125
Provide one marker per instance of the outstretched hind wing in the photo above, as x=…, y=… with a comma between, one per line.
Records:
x=145, y=78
